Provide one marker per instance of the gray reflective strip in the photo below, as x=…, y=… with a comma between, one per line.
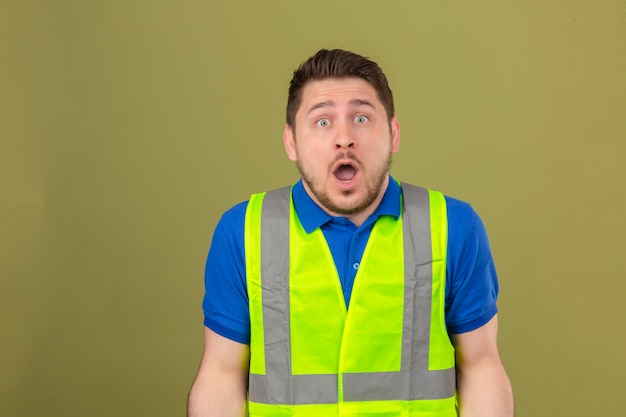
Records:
x=275, y=281
x=294, y=389
x=412, y=385
x=413, y=382
x=418, y=276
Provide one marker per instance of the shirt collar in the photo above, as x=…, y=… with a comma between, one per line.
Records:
x=312, y=216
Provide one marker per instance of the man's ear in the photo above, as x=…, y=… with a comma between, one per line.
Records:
x=289, y=140
x=395, y=134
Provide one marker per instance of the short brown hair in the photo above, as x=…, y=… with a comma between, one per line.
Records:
x=337, y=63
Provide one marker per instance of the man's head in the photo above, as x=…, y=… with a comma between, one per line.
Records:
x=341, y=132
x=337, y=63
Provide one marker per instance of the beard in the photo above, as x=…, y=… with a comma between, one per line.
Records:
x=373, y=185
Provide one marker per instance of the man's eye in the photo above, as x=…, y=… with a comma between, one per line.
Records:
x=323, y=122
x=361, y=119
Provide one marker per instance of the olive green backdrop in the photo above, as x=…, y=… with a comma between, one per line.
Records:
x=128, y=127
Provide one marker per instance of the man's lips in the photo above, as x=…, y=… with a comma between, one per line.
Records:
x=345, y=170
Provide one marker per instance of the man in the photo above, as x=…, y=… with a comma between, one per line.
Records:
x=349, y=293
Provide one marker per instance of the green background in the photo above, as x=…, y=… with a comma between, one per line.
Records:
x=128, y=127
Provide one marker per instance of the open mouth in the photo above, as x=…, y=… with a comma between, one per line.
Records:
x=345, y=173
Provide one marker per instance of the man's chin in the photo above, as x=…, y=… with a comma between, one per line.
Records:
x=347, y=204
x=347, y=193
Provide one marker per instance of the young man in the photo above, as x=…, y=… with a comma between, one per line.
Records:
x=349, y=293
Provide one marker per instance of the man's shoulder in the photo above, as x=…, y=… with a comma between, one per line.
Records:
x=233, y=217
x=236, y=214
x=457, y=208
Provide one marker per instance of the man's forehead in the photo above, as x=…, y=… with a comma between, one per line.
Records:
x=333, y=91
x=330, y=104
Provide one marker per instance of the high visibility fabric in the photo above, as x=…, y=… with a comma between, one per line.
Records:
x=252, y=233
x=388, y=355
x=375, y=313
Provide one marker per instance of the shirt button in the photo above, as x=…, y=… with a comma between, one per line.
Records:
x=355, y=265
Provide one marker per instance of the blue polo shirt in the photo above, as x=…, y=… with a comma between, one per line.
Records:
x=471, y=282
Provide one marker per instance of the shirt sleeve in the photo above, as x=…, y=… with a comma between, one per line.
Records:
x=225, y=303
x=471, y=274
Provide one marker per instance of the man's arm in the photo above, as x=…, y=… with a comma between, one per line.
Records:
x=483, y=387
x=220, y=388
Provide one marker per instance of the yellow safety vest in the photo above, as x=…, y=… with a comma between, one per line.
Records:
x=386, y=355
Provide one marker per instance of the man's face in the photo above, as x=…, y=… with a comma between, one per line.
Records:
x=343, y=142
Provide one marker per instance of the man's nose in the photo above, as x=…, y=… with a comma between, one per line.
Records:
x=345, y=137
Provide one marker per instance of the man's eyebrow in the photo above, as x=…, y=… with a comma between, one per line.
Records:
x=358, y=102
x=321, y=105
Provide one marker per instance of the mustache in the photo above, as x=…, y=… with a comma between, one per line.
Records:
x=346, y=155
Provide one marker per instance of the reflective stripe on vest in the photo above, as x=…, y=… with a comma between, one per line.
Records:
x=426, y=361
